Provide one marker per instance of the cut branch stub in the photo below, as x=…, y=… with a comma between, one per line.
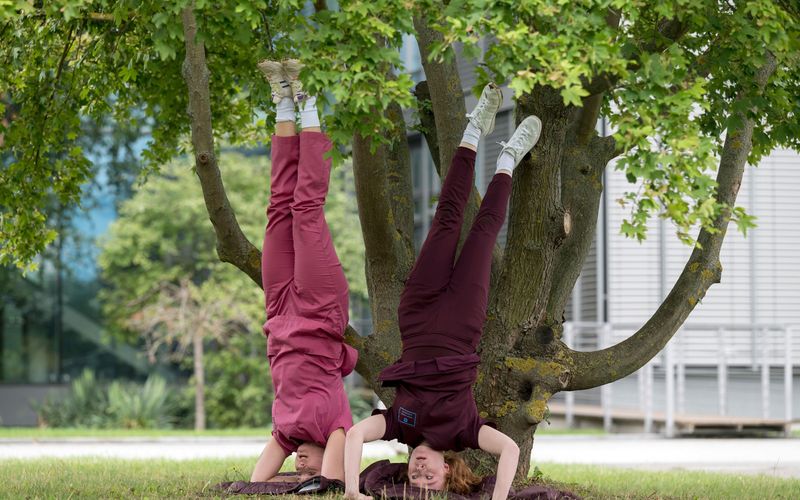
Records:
x=536, y=380
x=567, y=223
x=204, y=158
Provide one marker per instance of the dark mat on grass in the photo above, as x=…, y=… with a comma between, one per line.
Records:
x=384, y=480
x=285, y=484
x=387, y=480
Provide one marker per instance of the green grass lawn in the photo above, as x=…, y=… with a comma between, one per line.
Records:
x=610, y=482
x=35, y=433
x=549, y=431
x=105, y=478
x=47, y=433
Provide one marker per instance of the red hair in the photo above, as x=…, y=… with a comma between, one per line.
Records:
x=460, y=479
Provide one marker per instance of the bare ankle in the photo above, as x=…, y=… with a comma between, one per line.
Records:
x=285, y=129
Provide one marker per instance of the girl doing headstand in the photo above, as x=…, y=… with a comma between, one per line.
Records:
x=306, y=294
x=441, y=316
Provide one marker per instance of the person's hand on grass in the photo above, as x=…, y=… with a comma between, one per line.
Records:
x=356, y=496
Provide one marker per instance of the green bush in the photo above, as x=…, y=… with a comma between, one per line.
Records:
x=238, y=384
x=90, y=403
x=238, y=394
x=360, y=403
x=131, y=406
x=84, y=406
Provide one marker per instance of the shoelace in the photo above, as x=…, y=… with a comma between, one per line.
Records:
x=283, y=85
x=523, y=135
x=526, y=134
x=479, y=108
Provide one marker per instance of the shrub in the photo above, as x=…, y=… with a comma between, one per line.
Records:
x=84, y=406
x=360, y=403
x=119, y=405
x=238, y=384
x=133, y=406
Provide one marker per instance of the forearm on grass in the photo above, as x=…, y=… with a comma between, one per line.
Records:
x=367, y=430
x=270, y=462
x=333, y=458
x=498, y=444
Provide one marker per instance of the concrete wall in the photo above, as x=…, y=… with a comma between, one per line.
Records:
x=17, y=402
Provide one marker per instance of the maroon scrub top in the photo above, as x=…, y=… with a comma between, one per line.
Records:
x=434, y=402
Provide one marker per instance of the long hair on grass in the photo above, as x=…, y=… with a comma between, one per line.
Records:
x=460, y=479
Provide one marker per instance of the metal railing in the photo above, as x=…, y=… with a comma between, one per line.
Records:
x=760, y=347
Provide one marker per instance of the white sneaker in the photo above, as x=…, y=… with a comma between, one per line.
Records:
x=523, y=139
x=277, y=78
x=482, y=116
x=292, y=69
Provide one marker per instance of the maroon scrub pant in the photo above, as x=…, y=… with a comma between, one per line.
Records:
x=300, y=272
x=443, y=306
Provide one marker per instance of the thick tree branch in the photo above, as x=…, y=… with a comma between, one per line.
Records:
x=592, y=369
x=586, y=123
x=581, y=189
x=446, y=93
x=398, y=175
x=232, y=244
x=536, y=226
x=427, y=121
x=382, y=247
x=388, y=257
x=583, y=162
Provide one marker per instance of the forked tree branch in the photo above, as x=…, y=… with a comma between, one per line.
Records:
x=232, y=245
x=592, y=369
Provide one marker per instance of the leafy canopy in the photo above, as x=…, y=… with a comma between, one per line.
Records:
x=669, y=102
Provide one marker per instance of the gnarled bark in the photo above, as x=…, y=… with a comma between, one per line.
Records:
x=535, y=229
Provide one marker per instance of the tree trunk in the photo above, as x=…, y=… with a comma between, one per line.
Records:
x=199, y=383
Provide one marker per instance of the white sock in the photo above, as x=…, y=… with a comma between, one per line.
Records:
x=505, y=162
x=285, y=110
x=472, y=134
x=309, y=117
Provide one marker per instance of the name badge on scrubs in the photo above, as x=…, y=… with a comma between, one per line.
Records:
x=407, y=417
